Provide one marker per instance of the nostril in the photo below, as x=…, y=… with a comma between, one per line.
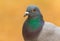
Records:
x=26, y=12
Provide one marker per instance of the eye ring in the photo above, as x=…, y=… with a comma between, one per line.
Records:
x=33, y=10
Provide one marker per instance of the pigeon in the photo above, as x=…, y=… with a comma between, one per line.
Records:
x=36, y=29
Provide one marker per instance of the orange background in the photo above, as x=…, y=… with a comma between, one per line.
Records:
x=11, y=16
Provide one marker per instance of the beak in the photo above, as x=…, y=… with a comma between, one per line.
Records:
x=26, y=13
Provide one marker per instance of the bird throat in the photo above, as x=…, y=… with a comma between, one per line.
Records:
x=35, y=23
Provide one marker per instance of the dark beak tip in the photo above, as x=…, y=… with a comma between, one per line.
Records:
x=25, y=15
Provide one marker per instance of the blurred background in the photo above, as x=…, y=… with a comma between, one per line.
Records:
x=12, y=12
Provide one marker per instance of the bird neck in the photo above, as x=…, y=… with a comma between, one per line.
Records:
x=35, y=23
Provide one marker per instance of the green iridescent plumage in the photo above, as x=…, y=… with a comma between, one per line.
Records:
x=34, y=23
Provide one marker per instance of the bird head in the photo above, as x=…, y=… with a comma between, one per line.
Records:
x=32, y=11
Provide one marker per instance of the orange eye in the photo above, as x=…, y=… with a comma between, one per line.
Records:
x=33, y=10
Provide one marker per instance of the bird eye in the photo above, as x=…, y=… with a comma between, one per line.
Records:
x=33, y=10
